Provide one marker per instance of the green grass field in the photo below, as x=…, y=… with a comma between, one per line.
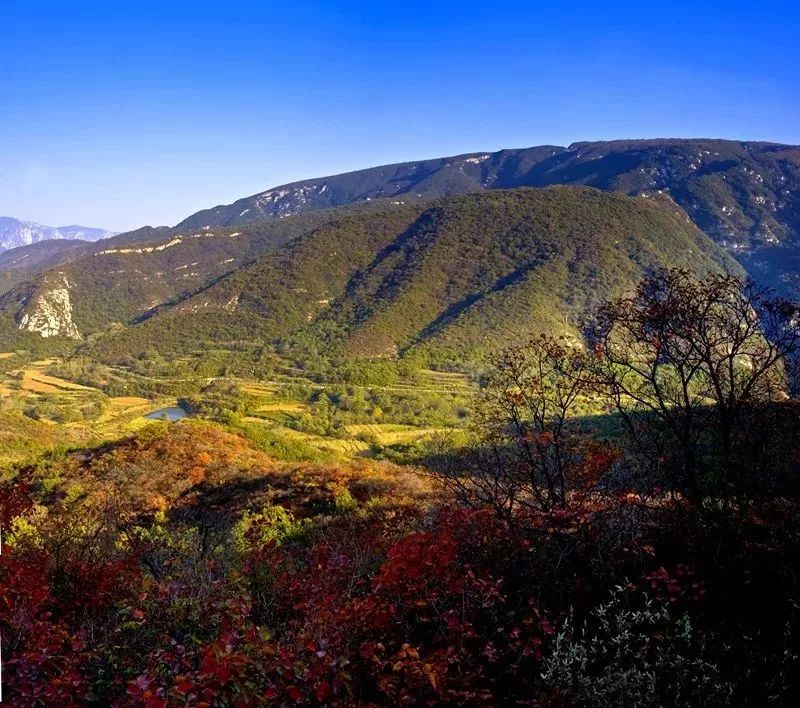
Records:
x=40, y=395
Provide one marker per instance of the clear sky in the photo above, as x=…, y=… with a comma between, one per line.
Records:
x=122, y=113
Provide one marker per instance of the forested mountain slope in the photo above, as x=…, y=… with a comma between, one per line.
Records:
x=453, y=277
x=743, y=194
x=120, y=279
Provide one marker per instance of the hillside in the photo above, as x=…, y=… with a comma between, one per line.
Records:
x=14, y=233
x=24, y=262
x=443, y=279
x=79, y=291
x=743, y=194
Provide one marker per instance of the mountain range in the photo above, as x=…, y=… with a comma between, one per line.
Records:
x=15, y=233
x=442, y=280
x=743, y=194
x=391, y=259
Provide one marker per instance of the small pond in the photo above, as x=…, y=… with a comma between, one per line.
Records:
x=169, y=413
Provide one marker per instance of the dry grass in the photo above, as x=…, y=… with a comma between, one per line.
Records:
x=346, y=447
x=258, y=389
x=284, y=407
x=127, y=401
x=390, y=434
x=59, y=382
x=37, y=382
x=45, y=362
x=32, y=383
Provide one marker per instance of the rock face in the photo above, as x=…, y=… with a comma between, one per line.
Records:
x=15, y=233
x=49, y=312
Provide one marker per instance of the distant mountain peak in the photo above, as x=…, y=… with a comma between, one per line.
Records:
x=17, y=232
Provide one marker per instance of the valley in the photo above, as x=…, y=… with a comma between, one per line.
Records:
x=317, y=420
x=417, y=365
x=441, y=433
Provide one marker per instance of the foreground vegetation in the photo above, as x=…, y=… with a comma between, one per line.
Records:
x=614, y=522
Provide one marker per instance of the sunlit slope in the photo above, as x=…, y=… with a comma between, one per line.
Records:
x=453, y=277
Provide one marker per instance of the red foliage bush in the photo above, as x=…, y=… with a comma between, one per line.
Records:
x=423, y=619
x=381, y=603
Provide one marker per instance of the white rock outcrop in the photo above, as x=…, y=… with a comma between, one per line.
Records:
x=50, y=312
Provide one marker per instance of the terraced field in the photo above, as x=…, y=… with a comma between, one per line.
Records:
x=284, y=407
x=345, y=447
x=283, y=416
x=33, y=379
x=76, y=408
x=391, y=434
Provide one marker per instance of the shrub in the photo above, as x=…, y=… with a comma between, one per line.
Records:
x=633, y=650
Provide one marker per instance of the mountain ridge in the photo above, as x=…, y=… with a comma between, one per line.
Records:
x=743, y=193
x=441, y=279
x=17, y=232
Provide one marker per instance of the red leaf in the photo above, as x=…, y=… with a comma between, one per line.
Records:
x=322, y=691
x=294, y=693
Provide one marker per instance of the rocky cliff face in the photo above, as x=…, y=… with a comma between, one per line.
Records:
x=49, y=311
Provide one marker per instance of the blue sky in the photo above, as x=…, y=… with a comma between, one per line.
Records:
x=122, y=113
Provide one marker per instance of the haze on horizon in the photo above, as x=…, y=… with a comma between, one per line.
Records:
x=139, y=113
